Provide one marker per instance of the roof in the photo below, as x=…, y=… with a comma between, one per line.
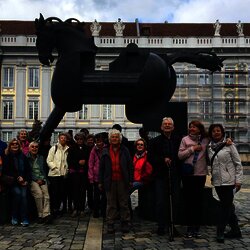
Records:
x=9, y=27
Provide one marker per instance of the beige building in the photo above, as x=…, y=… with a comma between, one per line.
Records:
x=222, y=97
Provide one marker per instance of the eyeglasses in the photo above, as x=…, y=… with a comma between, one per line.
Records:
x=140, y=144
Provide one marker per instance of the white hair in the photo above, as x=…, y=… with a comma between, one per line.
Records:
x=33, y=143
x=115, y=132
x=168, y=119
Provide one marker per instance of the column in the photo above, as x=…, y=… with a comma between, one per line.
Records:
x=21, y=98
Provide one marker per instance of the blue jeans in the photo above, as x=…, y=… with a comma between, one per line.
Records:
x=19, y=202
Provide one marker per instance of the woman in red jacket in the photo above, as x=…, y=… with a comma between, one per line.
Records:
x=142, y=168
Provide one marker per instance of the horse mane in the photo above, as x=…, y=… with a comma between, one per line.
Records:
x=51, y=19
x=73, y=22
x=57, y=22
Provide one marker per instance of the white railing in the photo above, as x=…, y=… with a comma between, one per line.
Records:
x=149, y=42
x=18, y=40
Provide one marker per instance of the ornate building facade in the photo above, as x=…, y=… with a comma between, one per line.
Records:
x=221, y=97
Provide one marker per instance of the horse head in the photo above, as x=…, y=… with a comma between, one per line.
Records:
x=45, y=38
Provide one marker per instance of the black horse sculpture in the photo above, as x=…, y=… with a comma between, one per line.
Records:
x=75, y=80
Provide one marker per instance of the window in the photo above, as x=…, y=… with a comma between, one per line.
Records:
x=204, y=79
x=179, y=79
x=106, y=112
x=33, y=78
x=83, y=114
x=145, y=31
x=7, y=136
x=33, y=109
x=8, y=77
x=229, y=78
x=205, y=109
x=7, y=109
x=230, y=110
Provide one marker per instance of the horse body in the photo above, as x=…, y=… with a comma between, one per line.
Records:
x=135, y=73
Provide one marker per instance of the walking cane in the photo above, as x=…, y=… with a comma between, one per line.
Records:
x=171, y=220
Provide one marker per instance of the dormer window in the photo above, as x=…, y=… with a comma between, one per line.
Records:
x=145, y=31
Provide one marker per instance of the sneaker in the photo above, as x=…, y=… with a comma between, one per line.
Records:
x=125, y=227
x=25, y=223
x=197, y=235
x=233, y=234
x=220, y=238
x=14, y=221
x=190, y=232
x=40, y=220
x=188, y=235
x=48, y=219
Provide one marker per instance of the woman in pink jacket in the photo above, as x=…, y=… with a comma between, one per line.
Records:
x=93, y=175
x=192, y=152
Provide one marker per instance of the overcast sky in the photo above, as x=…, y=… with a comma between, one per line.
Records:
x=179, y=11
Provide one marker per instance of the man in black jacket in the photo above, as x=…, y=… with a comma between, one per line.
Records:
x=163, y=154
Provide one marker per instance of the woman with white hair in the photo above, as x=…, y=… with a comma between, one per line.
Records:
x=116, y=177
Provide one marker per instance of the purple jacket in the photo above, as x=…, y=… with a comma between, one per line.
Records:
x=94, y=162
x=186, y=153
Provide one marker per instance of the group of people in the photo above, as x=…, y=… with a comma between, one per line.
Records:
x=100, y=169
x=192, y=158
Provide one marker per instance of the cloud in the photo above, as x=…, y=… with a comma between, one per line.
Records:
x=128, y=10
x=211, y=10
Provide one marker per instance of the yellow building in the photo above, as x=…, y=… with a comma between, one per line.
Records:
x=222, y=97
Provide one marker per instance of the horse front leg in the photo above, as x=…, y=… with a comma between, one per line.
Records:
x=52, y=122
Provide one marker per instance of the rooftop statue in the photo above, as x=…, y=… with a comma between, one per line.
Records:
x=119, y=27
x=75, y=80
x=217, y=27
x=95, y=28
x=239, y=27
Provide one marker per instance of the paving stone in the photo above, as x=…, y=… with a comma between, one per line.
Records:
x=76, y=246
x=67, y=233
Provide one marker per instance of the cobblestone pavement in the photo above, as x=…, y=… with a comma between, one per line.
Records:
x=70, y=233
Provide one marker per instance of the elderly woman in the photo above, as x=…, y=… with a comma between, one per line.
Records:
x=16, y=168
x=39, y=183
x=116, y=177
x=227, y=175
x=22, y=136
x=192, y=152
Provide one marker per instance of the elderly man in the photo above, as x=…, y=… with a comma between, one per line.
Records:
x=163, y=154
x=116, y=177
x=39, y=183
